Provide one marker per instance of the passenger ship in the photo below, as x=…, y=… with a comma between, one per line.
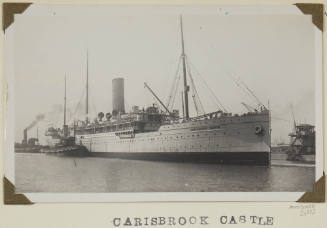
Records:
x=217, y=137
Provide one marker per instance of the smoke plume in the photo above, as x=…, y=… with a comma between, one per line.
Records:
x=38, y=118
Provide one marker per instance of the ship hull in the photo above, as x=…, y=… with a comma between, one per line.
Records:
x=228, y=140
x=237, y=158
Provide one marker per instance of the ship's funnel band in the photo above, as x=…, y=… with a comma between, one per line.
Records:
x=118, y=105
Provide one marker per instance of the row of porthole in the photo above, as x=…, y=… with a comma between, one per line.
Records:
x=176, y=136
x=206, y=123
x=152, y=139
x=124, y=141
x=185, y=147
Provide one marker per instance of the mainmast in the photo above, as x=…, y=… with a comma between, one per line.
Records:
x=65, y=127
x=65, y=103
x=87, y=86
x=183, y=104
x=186, y=87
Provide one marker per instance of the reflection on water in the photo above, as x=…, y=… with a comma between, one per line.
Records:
x=44, y=173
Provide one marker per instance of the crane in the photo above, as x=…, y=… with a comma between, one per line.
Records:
x=294, y=122
x=151, y=91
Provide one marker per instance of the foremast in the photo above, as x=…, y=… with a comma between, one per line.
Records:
x=186, y=87
x=87, y=87
x=65, y=127
x=65, y=103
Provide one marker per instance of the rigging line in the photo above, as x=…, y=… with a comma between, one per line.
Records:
x=78, y=105
x=193, y=88
x=196, y=107
x=174, y=82
x=218, y=103
x=176, y=89
x=238, y=85
x=230, y=76
x=74, y=114
x=195, y=92
x=241, y=87
x=201, y=105
x=245, y=88
x=251, y=92
x=213, y=94
x=93, y=104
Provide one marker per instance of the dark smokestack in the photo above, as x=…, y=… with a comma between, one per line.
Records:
x=118, y=95
x=25, y=136
x=65, y=130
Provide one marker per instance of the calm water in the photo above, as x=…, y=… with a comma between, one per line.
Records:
x=46, y=173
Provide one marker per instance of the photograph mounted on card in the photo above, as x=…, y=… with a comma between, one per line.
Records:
x=163, y=103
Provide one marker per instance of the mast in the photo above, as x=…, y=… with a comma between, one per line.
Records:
x=65, y=127
x=183, y=104
x=87, y=86
x=186, y=87
x=65, y=103
x=74, y=128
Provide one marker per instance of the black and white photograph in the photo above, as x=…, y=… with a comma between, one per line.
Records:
x=192, y=101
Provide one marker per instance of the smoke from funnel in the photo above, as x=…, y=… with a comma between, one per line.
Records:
x=38, y=118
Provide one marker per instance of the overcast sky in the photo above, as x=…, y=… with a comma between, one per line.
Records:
x=273, y=55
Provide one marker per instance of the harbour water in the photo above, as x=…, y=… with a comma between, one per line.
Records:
x=48, y=173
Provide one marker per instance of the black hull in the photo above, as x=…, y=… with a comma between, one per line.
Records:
x=70, y=151
x=76, y=153
x=239, y=158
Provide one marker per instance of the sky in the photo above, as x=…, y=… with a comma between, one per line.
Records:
x=272, y=54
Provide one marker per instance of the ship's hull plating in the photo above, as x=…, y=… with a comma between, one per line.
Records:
x=234, y=139
x=243, y=158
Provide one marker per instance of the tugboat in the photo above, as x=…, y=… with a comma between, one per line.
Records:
x=60, y=141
